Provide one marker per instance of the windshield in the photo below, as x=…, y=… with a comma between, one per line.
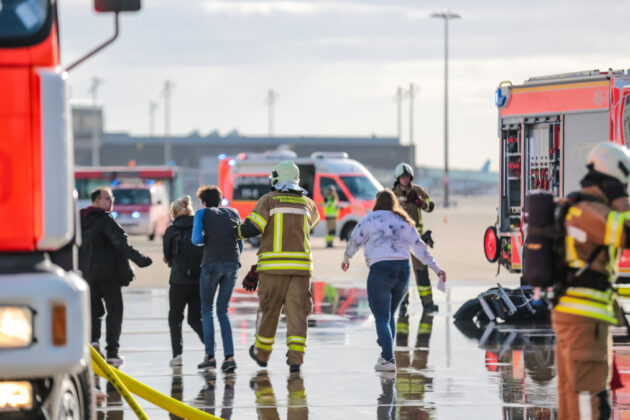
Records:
x=361, y=187
x=22, y=19
x=132, y=197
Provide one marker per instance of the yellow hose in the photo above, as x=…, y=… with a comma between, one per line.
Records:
x=147, y=393
x=109, y=373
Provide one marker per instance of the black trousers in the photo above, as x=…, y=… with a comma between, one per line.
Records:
x=180, y=296
x=106, y=298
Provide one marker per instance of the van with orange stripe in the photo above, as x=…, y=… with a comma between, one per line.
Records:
x=244, y=178
x=546, y=128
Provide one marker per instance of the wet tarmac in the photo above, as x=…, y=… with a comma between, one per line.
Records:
x=494, y=372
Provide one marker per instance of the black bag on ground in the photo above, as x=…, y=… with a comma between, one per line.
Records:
x=187, y=256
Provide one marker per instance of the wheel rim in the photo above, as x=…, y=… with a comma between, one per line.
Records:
x=490, y=244
x=70, y=407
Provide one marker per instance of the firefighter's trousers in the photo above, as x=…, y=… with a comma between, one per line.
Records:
x=583, y=360
x=275, y=292
x=423, y=285
x=331, y=229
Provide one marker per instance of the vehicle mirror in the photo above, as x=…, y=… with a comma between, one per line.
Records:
x=116, y=5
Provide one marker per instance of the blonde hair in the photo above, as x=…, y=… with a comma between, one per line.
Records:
x=181, y=207
x=386, y=200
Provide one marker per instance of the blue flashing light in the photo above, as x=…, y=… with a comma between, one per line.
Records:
x=149, y=182
x=232, y=162
x=221, y=156
x=499, y=99
x=225, y=202
x=135, y=215
x=114, y=214
x=115, y=183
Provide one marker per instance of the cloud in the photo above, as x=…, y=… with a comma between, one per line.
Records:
x=301, y=8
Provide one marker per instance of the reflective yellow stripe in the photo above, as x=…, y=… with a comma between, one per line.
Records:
x=306, y=229
x=586, y=311
x=622, y=218
x=296, y=339
x=238, y=232
x=296, y=347
x=572, y=257
x=606, y=307
x=573, y=211
x=604, y=297
x=257, y=219
x=304, y=255
x=424, y=290
x=295, y=395
x=424, y=328
x=277, y=232
x=263, y=346
x=284, y=265
x=268, y=340
x=611, y=227
x=402, y=328
x=265, y=392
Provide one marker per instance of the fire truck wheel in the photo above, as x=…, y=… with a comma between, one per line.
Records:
x=346, y=231
x=491, y=244
x=75, y=399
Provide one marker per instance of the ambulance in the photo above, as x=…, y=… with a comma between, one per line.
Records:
x=546, y=128
x=244, y=178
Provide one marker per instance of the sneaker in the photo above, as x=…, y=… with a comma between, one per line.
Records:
x=228, y=366
x=252, y=354
x=383, y=365
x=429, y=308
x=115, y=360
x=97, y=347
x=294, y=368
x=207, y=364
x=176, y=361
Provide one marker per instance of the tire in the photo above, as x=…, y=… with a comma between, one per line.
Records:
x=75, y=397
x=346, y=231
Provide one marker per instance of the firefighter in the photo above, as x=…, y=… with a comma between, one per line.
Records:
x=284, y=217
x=597, y=228
x=414, y=199
x=331, y=211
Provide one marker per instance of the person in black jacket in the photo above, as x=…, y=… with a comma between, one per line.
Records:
x=184, y=259
x=104, y=260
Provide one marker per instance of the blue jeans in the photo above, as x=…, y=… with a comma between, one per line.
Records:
x=386, y=286
x=221, y=275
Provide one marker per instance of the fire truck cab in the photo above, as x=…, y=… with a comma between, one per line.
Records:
x=546, y=129
x=245, y=178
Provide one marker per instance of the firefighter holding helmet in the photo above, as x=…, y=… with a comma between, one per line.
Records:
x=331, y=211
x=284, y=217
x=414, y=199
x=597, y=226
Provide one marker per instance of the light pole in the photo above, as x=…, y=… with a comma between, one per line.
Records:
x=168, y=144
x=446, y=16
x=97, y=128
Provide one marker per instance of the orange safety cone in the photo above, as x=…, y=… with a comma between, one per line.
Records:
x=445, y=219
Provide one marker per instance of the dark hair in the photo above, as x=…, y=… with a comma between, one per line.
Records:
x=386, y=200
x=96, y=192
x=210, y=195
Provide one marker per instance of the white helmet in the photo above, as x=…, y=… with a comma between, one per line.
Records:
x=286, y=171
x=403, y=169
x=610, y=159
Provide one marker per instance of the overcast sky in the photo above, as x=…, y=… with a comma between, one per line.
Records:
x=336, y=65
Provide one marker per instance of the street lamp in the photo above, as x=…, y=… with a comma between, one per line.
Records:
x=446, y=16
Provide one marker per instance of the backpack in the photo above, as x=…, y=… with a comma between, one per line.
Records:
x=186, y=255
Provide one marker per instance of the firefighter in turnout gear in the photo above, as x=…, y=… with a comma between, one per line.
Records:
x=414, y=199
x=331, y=211
x=597, y=228
x=284, y=217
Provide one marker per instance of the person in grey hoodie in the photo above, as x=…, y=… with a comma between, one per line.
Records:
x=388, y=234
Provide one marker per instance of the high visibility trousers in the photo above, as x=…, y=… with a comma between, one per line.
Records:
x=424, y=290
x=275, y=292
x=331, y=229
x=584, y=366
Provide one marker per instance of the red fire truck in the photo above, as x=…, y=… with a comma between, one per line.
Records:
x=546, y=128
x=45, y=369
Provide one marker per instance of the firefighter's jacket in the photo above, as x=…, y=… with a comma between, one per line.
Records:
x=412, y=210
x=284, y=220
x=597, y=230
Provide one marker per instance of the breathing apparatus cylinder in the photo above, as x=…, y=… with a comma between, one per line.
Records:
x=538, y=250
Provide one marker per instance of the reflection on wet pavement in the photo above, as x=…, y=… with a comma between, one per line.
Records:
x=445, y=371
